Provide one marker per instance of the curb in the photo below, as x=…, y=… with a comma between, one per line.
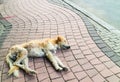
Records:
x=93, y=17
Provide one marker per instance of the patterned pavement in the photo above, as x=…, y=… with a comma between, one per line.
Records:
x=38, y=19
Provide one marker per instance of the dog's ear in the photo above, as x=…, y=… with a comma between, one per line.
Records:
x=59, y=38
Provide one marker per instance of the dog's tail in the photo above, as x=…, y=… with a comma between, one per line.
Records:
x=13, y=69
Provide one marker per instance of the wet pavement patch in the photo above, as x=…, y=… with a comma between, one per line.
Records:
x=5, y=27
x=4, y=22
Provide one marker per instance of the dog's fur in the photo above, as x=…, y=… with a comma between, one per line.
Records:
x=17, y=56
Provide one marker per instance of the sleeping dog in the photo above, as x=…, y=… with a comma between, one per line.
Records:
x=17, y=56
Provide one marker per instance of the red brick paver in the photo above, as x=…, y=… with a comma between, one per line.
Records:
x=38, y=19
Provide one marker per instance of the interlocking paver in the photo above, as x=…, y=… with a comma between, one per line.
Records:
x=78, y=75
x=19, y=80
x=109, y=64
x=35, y=19
x=68, y=76
x=55, y=75
x=42, y=76
x=90, y=57
x=115, y=69
x=113, y=79
x=86, y=79
x=77, y=68
x=72, y=63
x=106, y=73
x=83, y=61
x=95, y=61
x=87, y=66
x=58, y=80
x=98, y=78
x=92, y=72
x=100, y=67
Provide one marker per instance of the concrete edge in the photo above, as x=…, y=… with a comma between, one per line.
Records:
x=93, y=17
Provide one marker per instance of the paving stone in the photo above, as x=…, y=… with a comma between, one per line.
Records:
x=55, y=75
x=68, y=76
x=104, y=59
x=72, y=63
x=19, y=80
x=113, y=79
x=7, y=80
x=76, y=52
x=79, y=56
x=106, y=73
x=95, y=61
x=96, y=38
x=118, y=63
x=92, y=72
x=87, y=79
x=109, y=64
x=100, y=67
x=99, y=54
x=99, y=42
x=42, y=76
x=101, y=45
x=115, y=69
x=87, y=66
x=73, y=80
x=115, y=58
x=77, y=68
x=98, y=78
x=41, y=70
x=80, y=75
x=58, y=80
x=45, y=80
x=83, y=61
x=106, y=49
x=90, y=57
x=69, y=58
x=110, y=54
x=87, y=52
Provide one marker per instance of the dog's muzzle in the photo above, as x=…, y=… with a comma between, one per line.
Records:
x=64, y=47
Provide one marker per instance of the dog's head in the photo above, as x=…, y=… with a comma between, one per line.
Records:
x=62, y=43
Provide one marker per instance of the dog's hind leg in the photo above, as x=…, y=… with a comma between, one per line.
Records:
x=10, y=62
x=53, y=61
x=29, y=71
x=61, y=64
x=22, y=58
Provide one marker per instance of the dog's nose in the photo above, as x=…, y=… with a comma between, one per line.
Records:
x=68, y=47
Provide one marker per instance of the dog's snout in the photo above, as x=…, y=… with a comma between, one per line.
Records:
x=68, y=47
x=64, y=47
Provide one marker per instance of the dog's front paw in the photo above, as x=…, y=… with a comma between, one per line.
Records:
x=65, y=69
x=31, y=72
x=59, y=69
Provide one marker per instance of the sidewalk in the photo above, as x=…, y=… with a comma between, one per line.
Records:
x=38, y=19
